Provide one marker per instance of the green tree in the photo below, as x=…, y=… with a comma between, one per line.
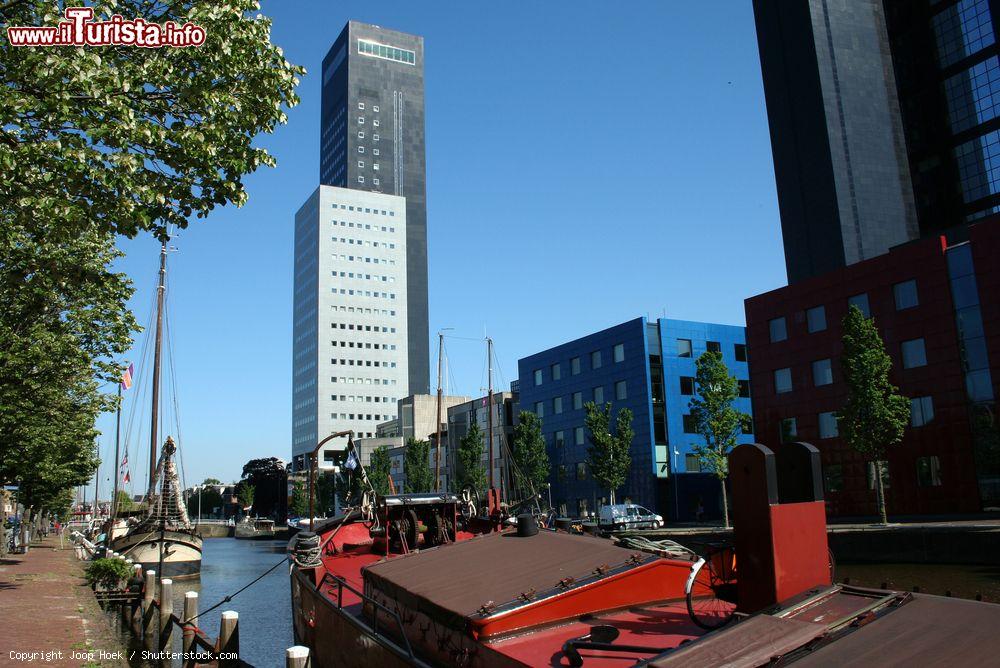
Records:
x=529, y=454
x=608, y=455
x=470, y=472
x=716, y=419
x=299, y=504
x=207, y=501
x=875, y=415
x=211, y=481
x=246, y=492
x=416, y=466
x=125, y=139
x=380, y=470
x=125, y=502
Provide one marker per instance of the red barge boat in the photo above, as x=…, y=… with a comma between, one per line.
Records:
x=408, y=583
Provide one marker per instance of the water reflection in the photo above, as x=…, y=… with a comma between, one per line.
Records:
x=961, y=581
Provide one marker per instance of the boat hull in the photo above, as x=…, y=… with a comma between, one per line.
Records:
x=181, y=552
x=251, y=534
x=335, y=637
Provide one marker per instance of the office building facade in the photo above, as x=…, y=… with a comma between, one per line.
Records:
x=372, y=139
x=937, y=307
x=463, y=415
x=649, y=368
x=350, y=359
x=884, y=123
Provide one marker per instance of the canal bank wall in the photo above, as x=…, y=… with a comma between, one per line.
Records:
x=965, y=543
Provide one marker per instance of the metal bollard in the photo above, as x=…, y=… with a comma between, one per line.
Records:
x=297, y=657
x=166, y=610
x=190, y=618
x=229, y=638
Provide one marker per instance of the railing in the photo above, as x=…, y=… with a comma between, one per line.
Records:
x=376, y=607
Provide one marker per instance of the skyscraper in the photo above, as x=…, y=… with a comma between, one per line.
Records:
x=349, y=325
x=883, y=122
x=372, y=139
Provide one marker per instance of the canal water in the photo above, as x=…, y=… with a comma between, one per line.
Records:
x=265, y=623
x=963, y=581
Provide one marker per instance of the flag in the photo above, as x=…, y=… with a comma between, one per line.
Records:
x=123, y=470
x=127, y=377
x=352, y=461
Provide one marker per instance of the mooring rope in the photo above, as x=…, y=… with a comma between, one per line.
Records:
x=229, y=597
x=306, y=553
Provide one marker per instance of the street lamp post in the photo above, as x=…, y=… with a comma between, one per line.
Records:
x=677, y=503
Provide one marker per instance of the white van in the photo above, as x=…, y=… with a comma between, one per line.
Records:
x=628, y=516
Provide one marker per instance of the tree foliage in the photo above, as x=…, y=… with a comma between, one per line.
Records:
x=119, y=139
x=380, y=470
x=246, y=493
x=96, y=142
x=470, y=472
x=208, y=501
x=609, y=454
x=716, y=419
x=299, y=504
x=529, y=454
x=211, y=481
x=416, y=466
x=269, y=479
x=875, y=415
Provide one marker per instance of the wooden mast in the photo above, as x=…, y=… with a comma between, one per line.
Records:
x=489, y=408
x=156, y=363
x=437, y=456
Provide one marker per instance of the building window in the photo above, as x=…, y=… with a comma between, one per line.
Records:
x=744, y=388
x=574, y=366
x=833, y=477
x=871, y=474
x=962, y=30
x=361, y=163
x=822, y=373
x=375, y=108
x=561, y=473
x=740, y=350
x=713, y=346
x=361, y=120
x=361, y=179
x=559, y=439
x=929, y=471
x=538, y=377
x=599, y=395
x=557, y=405
x=687, y=386
x=620, y=393
x=578, y=435
x=386, y=52
x=789, y=429
x=973, y=95
x=905, y=294
x=861, y=301
x=375, y=138
x=816, y=319
x=914, y=354
x=828, y=425
x=539, y=409
x=595, y=359
x=619, y=352
x=556, y=371
x=777, y=329
x=577, y=400
x=581, y=507
x=361, y=135
x=782, y=380
x=375, y=122
x=921, y=411
x=684, y=348
x=361, y=149
x=581, y=471
x=690, y=424
x=692, y=464
x=977, y=166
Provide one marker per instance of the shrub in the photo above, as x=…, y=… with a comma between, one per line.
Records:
x=107, y=573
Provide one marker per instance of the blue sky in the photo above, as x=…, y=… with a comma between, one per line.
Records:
x=587, y=163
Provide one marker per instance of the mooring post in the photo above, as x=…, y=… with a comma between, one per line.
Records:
x=166, y=610
x=229, y=639
x=190, y=619
x=297, y=657
x=134, y=600
x=148, y=618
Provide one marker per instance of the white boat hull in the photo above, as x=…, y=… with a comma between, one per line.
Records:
x=181, y=552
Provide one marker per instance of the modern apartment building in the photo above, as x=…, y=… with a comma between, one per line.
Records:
x=884, y=123
x=372, y=140
x=937, y=307
x=648, y=367
x=350, y=346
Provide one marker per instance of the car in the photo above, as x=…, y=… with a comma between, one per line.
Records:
x=628, y=516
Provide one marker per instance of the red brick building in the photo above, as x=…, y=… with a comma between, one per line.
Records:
x=938, y=310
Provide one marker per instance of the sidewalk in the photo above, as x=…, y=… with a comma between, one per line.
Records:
x=49, y=614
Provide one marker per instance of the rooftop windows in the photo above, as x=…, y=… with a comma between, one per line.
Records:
x=386, y=52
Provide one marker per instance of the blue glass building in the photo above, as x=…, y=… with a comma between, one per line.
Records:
x=648, y=367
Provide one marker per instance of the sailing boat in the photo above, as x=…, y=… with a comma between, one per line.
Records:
x=164, y=540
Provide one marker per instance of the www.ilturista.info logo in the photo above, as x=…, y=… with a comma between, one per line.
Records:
x=81, y=30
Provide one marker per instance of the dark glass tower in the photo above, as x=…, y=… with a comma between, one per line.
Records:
x=883, y=122
x=372, y=138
